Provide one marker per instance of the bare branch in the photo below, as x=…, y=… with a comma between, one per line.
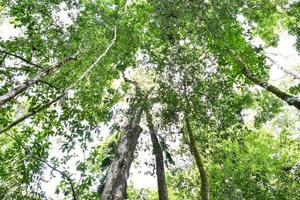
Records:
x=128, y=80
x=97, y=60
x=285, y=70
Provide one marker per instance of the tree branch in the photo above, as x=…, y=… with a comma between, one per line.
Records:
x=21, y=58
x=63, y=174
x=45, y=71
x=290, y=99
x=49, y=84
x=134, y=83
x=46, y=105
x=31, y=113
x=98, y=59
x=293, y=74
x=128, y=80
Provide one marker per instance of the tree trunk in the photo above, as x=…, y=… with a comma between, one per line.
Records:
x=159, y=159
x=118, y=172
x=200, y=166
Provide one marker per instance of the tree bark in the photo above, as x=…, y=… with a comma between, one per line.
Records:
x=290, y=99
x=118, y=172
x=199, y=163
x=159, y=159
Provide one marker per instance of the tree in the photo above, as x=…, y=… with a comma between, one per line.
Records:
x=183, y=72
x=159, y=160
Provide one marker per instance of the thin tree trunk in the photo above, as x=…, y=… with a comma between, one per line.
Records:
x=199, y=163
x=290, y=99
x=118, y=172
x=44, y=72
x=159, y=159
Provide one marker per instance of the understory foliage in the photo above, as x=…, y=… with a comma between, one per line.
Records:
x=182, y=90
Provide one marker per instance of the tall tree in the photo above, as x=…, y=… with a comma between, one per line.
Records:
x=199, y=163
x=118, y=172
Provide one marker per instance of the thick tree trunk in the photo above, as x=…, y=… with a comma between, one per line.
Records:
x=118, y=172
x=290, y=99
x=159, y=159
x=199, y=163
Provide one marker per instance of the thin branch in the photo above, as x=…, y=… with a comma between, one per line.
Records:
x=97, y=60
x=59, y=28
x=63, y=174
x=293, y=74
x=49, y=84
x=129, y=81
x=21, y=58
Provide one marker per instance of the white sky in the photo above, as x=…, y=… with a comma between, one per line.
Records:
x=284, y=54
x=7, y=30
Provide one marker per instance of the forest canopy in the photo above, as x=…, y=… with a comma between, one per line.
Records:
x=149, y=99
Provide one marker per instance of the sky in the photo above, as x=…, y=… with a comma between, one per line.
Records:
x=284, y=55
